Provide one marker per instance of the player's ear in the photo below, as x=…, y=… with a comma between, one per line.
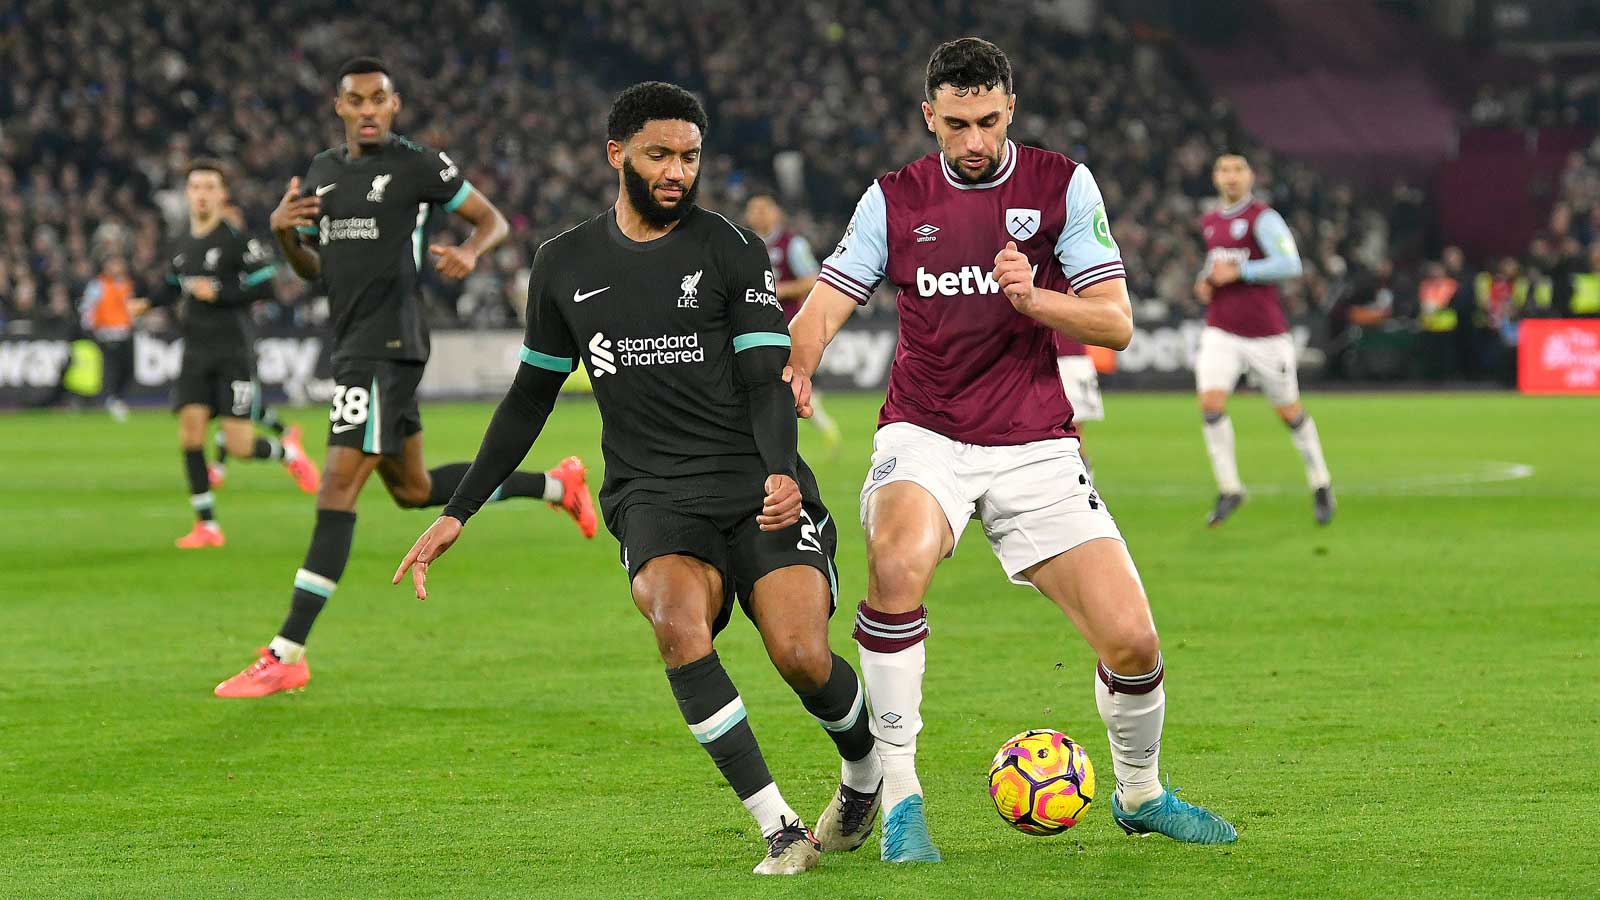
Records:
x=927, y=114
x=1011, y=109
x=614, y=154
x=394, y=99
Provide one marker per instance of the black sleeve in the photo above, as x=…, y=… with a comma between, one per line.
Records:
x=167, y=291
x=548, y=356
x=254, y=279
x=761, y=350
x=516, y=423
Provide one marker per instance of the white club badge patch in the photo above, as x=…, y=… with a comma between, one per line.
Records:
x=1022, y=223
x=1237, y=228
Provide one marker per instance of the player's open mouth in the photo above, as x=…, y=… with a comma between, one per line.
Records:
x=367, y=129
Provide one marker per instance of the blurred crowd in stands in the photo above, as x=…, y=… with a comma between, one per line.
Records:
x=101, y=108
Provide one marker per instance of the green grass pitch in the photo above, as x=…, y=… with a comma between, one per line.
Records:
x=1406, y=703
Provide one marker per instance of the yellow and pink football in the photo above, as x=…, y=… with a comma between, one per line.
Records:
x=1041, y=782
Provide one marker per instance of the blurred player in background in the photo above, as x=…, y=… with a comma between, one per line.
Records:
x=1249, y=249
x=705, y=489
x=795, y=267
x=364, y=206
x=1081, y=381
x=216, y=273
x=996, y=248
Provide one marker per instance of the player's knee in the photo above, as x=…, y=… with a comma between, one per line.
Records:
x=1293, y=415
x=900, y=572
x=407, y=496
x=804, y=664
x=1133, y=652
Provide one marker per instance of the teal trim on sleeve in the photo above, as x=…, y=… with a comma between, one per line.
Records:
x=264, y=273
x=563, y=364
x=306, y=229
x=460, y=197
x=760, y=339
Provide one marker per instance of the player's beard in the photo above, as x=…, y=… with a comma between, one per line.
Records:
x=644, y=202
x=954, y=165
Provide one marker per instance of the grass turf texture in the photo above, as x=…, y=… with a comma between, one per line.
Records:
x=1402, y=703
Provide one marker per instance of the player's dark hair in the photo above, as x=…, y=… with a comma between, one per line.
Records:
x=1239, y=153
x=650, y=100
x=207, y=164
x=968, y=63
x=362, y=65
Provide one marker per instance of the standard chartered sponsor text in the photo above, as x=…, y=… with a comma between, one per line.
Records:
x=660, y=350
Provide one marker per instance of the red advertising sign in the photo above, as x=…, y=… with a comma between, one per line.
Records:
x=1559, y=356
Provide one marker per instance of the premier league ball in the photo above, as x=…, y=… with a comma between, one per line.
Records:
x=1041, y=782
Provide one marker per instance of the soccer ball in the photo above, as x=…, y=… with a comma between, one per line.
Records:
x=1041, y=782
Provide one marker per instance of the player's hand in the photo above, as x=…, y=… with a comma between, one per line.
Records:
x=781, y=508
x=1202, y=291
x=294, y=211
x=801, y=385
x=201, y=288
x=434, y=542
x=1015, y=275
x=1224, y=271
x=454, y=262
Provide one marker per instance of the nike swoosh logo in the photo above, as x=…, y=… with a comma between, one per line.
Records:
x=579, y=296
x=341, y=429
x=326, y=188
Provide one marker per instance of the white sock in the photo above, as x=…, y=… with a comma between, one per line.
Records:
x=283, y=451
x=1133, y=726
x=864, y=775
x=287, y=651
x=770, y=810
x=1310, y=446
x=1219, y=446
x=212, y=525
x=554, y=490
x=894, y=691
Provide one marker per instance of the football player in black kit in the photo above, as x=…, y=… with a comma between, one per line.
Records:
x=674, y=311
x=216, y=273
x=356, y=222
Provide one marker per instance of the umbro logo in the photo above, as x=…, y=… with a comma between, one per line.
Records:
x=891, y=718
x=323, y=189
x=926, y=233
x=580, y=296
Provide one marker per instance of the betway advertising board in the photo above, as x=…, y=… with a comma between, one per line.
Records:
x=293, y=365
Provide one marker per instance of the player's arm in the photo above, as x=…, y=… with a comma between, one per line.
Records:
x=846, y=280
x=254, y=279
x=1097, y=311
x=296, y=216
x=443, y=183
x=1282, y=260
x=803, y=263
x=761, y=354
x=548, y=357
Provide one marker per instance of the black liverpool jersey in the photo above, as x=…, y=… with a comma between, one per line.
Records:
x=242, y=269
x=375, y=210
x=657, y=325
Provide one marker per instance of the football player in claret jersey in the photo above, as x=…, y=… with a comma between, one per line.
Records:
x=364, y=205
x=216, y=274
x=674, y=310
x=995, y=248
x=1249, y=249
x=796, y=269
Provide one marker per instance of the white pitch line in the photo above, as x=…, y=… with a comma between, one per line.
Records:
x=1441, y=484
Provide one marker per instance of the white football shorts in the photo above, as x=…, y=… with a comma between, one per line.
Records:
x=1270, y=362
x=1082, y=383
x=1035, y=500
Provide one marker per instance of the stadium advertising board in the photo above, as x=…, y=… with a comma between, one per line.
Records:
x=1559, y=356
x=293, y=364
